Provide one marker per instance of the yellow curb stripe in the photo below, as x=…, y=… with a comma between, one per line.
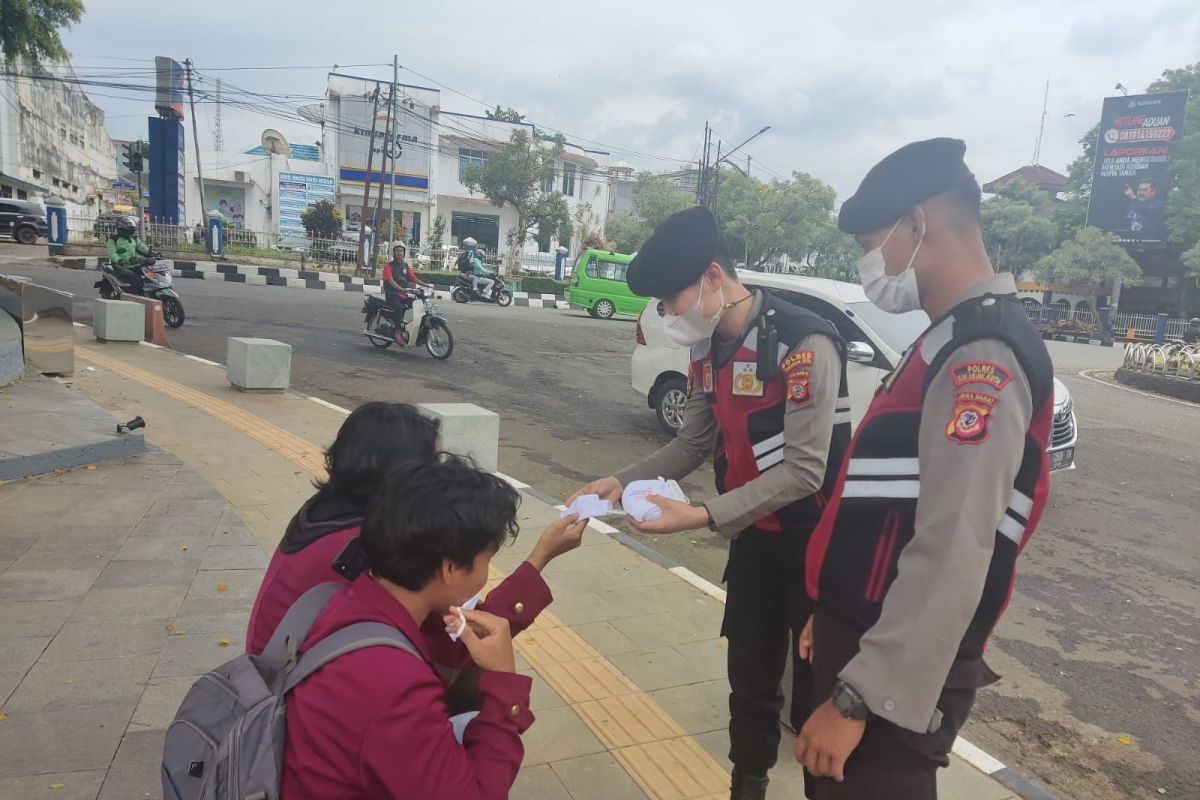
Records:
x=297, y=450
x=656, y=752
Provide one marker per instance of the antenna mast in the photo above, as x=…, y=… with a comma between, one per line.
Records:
x=1037, y=148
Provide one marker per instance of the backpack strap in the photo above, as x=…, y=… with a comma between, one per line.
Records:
x=296, y=623
x=347, y=640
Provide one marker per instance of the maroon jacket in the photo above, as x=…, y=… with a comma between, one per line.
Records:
x=373, y=723
x=519, y=598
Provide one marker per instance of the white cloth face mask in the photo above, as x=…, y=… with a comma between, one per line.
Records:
x=894, y=294
x=692, y=327
x=462, y=620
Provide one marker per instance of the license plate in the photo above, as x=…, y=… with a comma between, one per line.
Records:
x=1062, y=459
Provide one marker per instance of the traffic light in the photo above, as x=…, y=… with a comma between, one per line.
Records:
x=133, y=158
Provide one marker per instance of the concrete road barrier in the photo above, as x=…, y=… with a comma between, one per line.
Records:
x=259, y=365
x=156, y=328
x=118, y=321
x=468, y=430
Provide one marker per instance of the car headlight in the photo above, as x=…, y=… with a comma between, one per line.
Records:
x=1063, y=412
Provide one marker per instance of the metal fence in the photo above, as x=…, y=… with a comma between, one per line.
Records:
x=1063, y=317
x=340, y=253
x=1144, y=325
x=1172, y=359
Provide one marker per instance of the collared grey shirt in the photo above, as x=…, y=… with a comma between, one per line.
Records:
x=807, y=431
x=905, y=657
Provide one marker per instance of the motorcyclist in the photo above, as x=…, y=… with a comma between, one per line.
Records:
x=398, y=278
x=484, y=279
x=126, y=251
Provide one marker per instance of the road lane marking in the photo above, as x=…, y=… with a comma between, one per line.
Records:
x=328, y=405
x=1087, y=373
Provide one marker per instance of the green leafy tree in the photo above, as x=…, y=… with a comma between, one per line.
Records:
x=505, y=114
x=763, y=221
x=1183, y=204
x=1072, y=212
x=586, y=223
x=30, y=30
x=625, y=232
x=437, y=233
x=656, y=197
x=833, y=254
x=322, y=220
x=1089, y=258
x=1018, y=227
x=514, y=175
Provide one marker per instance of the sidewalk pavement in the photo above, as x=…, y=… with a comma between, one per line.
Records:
x=125, y=582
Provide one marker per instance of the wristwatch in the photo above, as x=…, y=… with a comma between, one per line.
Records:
x=849, y=703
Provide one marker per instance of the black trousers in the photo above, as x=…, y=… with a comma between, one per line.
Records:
x=765, y=609
x=890, y=762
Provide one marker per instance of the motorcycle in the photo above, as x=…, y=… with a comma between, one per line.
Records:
x=155, y=282
x=498, y=294
x=432, y=330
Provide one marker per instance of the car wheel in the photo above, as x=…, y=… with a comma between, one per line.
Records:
x=672, y=396
x=27, y=235
x=604, y=309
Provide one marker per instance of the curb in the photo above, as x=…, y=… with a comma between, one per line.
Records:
x=977, y=758
x=297, y=279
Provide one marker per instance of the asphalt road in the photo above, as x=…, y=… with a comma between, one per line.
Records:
x=1100, y=648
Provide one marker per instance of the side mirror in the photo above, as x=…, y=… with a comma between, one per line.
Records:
x=860, y=352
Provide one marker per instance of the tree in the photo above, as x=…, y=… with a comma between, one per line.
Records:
x=1018, y=227
x=1072, y=212
x=437, y=233
x=1090, y=258
x=30, y=30
x=656, y=197
x=625, y=232
x=833, y=254
x=1183, y=204
x=516, y=175
x=763, y=221
x=322, y=220
x=504, y=114
x=587, y=224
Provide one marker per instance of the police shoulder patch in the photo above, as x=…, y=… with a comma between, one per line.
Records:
x=797, y=367
x=800, y=358
x=986, y=372
x=971, y=418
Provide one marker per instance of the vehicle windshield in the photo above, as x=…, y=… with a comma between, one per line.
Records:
x=897, y=330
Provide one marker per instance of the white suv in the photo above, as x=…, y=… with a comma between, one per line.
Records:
x=876, y=340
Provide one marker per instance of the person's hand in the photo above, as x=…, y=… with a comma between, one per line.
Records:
x=561, y=537
x=805, y=648
x=676, y=516
x=608, y=488
x=488, y=638
x=827, y=740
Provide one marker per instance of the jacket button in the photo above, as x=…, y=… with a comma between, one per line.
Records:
x=515, y=711
x=889, y=705
x=518, y=608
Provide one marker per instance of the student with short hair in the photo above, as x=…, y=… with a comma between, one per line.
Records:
x=373, y=722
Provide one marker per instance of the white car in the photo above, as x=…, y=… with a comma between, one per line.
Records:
x=875, y=340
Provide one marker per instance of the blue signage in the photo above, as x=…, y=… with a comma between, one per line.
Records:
x=297, y=192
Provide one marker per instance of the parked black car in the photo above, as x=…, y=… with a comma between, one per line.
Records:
x=23, y=220
x=106, y=224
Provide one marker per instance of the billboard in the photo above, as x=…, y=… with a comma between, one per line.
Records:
x=406, y=152
x=297, y=192
x=1139, y=135
x=169, y=87
x=230, y=201
x=166, y=188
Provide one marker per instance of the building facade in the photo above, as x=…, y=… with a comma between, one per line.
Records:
x=53, y=141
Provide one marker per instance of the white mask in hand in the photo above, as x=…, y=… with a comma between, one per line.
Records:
x=894, y=294
x=692, y=327
x=462, y=620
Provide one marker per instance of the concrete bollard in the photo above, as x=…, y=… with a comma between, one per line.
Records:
x=258, y=365
x=468, y=430
x=118, y=321
x=156, y=328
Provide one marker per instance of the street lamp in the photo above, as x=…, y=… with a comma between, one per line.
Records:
x=765, y=128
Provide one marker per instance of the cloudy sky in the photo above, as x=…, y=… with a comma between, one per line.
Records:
x=841, y=84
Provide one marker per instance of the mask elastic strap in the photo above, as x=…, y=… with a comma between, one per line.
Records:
x=916, y=250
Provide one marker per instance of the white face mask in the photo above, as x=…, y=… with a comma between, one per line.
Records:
x=692, y=327
x=895, y=294
x=469, y=605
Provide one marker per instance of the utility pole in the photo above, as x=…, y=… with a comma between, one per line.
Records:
x=392, y=194
x=747, y=166
x=362, y=219
x=388, y=135
x=702, y=178
x=1037, y=148
x=716, y=181
x=196, y=142
x=218, y=134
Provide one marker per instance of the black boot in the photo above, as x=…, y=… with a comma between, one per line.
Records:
x=748, y=787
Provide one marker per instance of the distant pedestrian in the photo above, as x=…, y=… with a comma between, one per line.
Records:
x=945, y=481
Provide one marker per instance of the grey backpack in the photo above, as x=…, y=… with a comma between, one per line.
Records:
x=227, y=740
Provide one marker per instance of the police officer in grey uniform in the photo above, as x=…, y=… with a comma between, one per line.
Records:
x=945, y=481
x=768, y=401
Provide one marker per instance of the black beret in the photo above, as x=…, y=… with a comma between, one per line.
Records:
x=676, y=254
x=912, y=174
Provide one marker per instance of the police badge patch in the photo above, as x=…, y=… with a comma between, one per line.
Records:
x=797, y=386
x=971, y=417
x=980, y=372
